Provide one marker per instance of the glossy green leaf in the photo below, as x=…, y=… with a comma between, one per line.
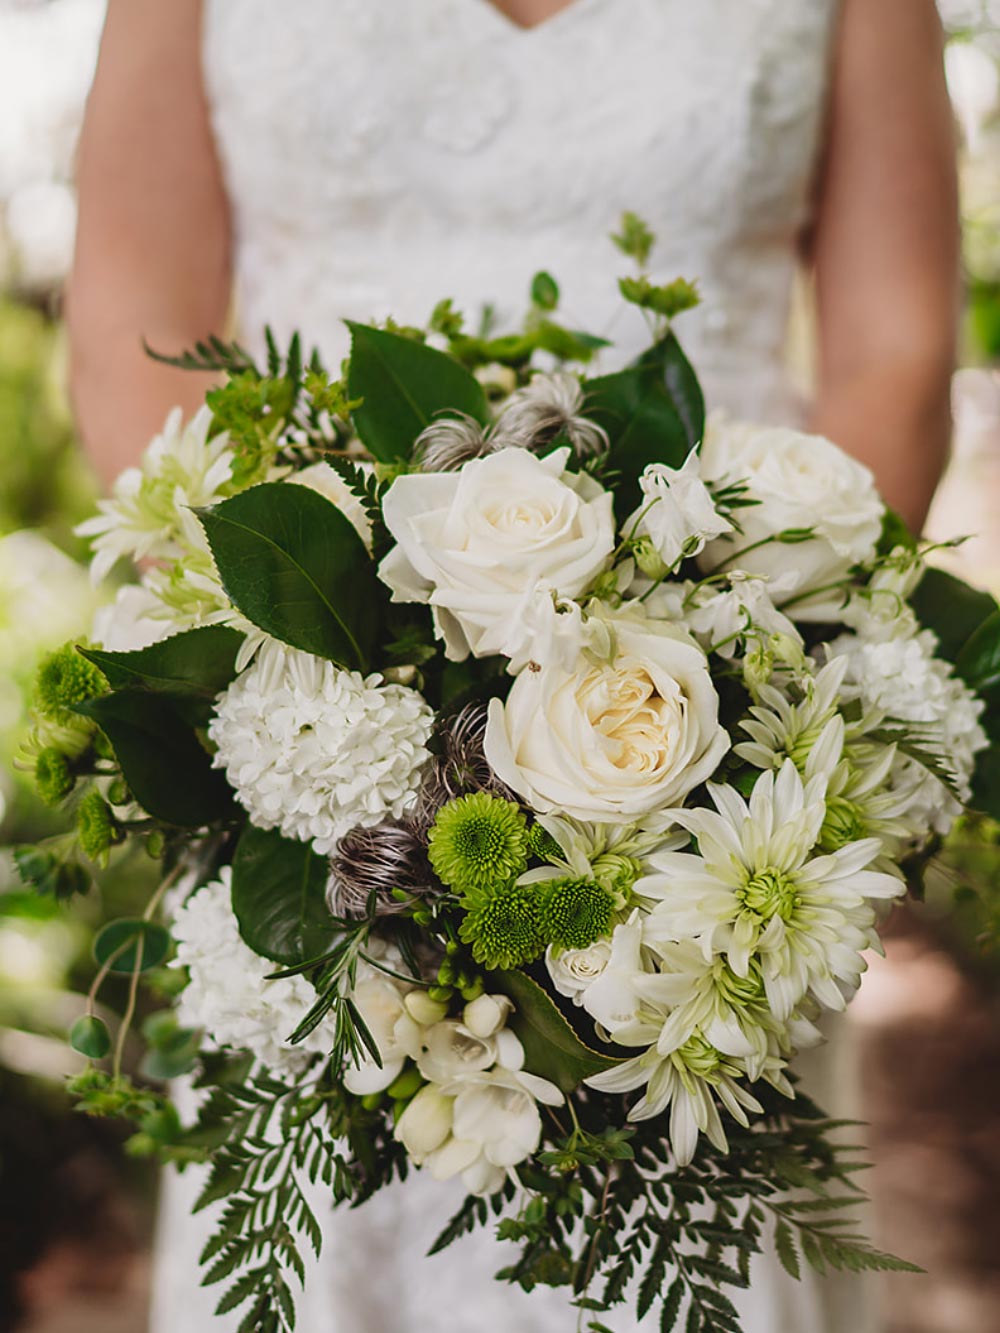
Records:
x=551, y=1047
x=951, y=608
x=643, y=425
x=681, y=384
x=544, y=291
x=90, y=1037
x=978, y=663
x=403, y=385
x=895, y=533
x=166, y=768
x=279, y=897
x=131, y=942
x=295, y=567
x=198, y=663
x=986, y=781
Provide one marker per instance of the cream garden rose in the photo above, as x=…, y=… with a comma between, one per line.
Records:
x=799, y=481
x=474, y=543
x=611, y=741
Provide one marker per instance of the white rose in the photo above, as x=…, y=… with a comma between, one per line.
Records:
x=611, y=742
x=800, y=481
x=574, y=970
x=677, y=513
x=473, y=543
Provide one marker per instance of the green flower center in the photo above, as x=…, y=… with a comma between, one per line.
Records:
x=575, y=912
x=478, y=840
x=738, y=992
x=699, y=1057
x=843, y=823
x=770, y=893
x=503, y=926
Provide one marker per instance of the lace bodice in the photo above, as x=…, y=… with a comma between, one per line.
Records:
x=381, y=154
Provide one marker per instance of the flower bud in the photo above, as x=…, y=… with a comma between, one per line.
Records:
x=649, y=560
x=422, y=1009
x=426, y=1123
x=486, y=1015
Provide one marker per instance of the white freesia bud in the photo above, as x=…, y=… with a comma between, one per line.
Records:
x=486, y=1015
x=677, y=513
x=380, y=1003
x=425, y=1124
x=422, y=1009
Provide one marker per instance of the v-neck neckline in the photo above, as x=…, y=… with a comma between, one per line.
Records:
x=553, y=20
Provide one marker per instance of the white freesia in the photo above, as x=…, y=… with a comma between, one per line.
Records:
x=450, y=1051
x=229, y=994
x=474, y=543
x=613, y=999
x=426, y=1123
x=611, y=742
x=800, y=482
x=181, y=469
x=380, y=1000
x=313, y=750
x=677, y=512
x=755, y=892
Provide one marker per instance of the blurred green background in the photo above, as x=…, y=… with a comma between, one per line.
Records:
x=75, y=1213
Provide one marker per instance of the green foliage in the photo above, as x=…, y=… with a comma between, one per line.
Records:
x=634, y=238
x=131, y=944
x=478, y=841
x=90, y=1036
x=211, y=354
x=370, y=490
x=950, y=608
x=279, y=897
x=551, y=1046
x=166, y=767
x=197, y=664
x=666, y=299
x=294, y=565
x=51, y=870
x=402, y=384
x=544, y=291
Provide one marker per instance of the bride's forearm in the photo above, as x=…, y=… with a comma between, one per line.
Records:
x=897, y=420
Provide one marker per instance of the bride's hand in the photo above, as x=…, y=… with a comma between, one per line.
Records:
x=886, y=248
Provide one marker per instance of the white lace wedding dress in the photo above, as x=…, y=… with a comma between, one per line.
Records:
x=381, y=154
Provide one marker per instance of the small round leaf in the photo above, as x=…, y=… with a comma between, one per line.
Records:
x=90, y=1037
x=123, y=943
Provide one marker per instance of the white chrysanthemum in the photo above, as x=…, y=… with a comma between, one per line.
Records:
x=903, y=679
x=755, y=891
x=181, y=469
x=781, y=729
x=229, y=995
x=313, y=750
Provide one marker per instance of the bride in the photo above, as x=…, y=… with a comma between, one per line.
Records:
x=325, y=159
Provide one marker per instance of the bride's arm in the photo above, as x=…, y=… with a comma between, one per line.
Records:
x=152, y=255
x=886, y=250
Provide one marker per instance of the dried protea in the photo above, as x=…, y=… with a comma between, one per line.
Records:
x=388, y=856
x=550, y=406
x=447, y=443
x=459, y=769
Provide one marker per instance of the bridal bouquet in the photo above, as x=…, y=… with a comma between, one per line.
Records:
x=531, y=762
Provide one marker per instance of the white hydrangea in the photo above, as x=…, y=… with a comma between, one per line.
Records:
x=229, y=995
x=147, y=515
x=903, y=679
x=314, y=750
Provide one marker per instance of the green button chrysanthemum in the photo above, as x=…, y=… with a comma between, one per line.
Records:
x=95, y=827
x=54, y=778
x=477, y=841
x=503, y=926
x=64, y=680
x=576, y=912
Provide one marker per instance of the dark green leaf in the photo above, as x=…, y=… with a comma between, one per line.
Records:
x=167, y=770
x=784, y=1245
x=950, y=608
x=131, y=943
x=90, y=1037
x=986, y=782
x=895, y=533
x=551, y=1047
x=49, y=873
x=671, y=1309
x=294, y=565
x=279, y=897
x=403, y=385
x=681, y=384
x=200, y=663
x=978, y=663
